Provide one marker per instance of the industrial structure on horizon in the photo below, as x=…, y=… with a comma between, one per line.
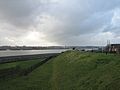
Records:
x=113, y=48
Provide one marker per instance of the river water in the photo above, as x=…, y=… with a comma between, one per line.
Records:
x=29, y=52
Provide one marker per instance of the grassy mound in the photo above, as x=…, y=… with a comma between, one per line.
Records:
x=71, y=70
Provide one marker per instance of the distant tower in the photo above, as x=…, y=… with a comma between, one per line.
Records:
x=108, y=46
x=108, y=42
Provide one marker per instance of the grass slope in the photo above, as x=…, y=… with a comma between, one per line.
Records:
x=22, y=64
x=71, y=70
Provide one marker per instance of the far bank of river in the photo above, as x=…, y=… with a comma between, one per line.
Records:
x=29, y=52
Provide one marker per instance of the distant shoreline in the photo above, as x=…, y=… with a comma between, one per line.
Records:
x=29, y=52
x=8, y=59
x=32, y=47
x=29, y=49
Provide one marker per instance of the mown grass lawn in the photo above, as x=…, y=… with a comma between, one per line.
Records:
x=72, y=70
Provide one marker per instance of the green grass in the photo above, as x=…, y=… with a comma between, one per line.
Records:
x=71, y=70
x=22, y=64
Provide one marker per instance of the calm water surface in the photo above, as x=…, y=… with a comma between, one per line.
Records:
x=28, y=52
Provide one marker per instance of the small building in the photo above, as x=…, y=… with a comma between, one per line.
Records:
x=113, y=48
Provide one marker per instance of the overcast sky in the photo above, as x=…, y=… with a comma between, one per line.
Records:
x=59, y=22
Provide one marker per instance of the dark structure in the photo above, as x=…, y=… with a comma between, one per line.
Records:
x=113, y=48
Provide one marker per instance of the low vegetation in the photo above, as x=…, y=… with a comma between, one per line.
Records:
x=22, y=64
x=72, y=70
x=11, y=70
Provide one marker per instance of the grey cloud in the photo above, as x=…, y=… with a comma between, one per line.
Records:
x=82, y=17
x=114, y=24
x=71, y=22
x=20, y=13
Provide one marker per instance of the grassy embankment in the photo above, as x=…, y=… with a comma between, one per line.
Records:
x=71, y=70
x=20, y=68
x=22, y=64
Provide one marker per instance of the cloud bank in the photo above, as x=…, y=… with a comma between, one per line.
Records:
x=59, y=22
